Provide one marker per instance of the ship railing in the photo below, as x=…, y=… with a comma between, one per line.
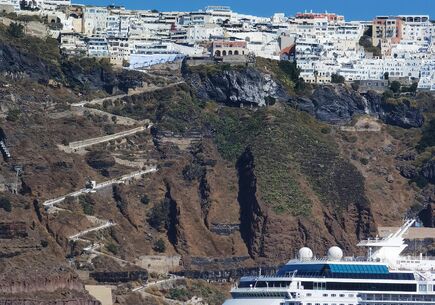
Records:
x=264, y=277
x=260, y=289
x=344, y=259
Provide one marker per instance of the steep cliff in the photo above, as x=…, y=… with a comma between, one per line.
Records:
x=339, y=104
x=236, y=186
x=235, y=87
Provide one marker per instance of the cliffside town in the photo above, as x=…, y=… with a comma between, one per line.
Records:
x=325, y=46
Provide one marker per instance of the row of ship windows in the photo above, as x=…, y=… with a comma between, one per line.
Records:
x=325, y=304
x=333, y=295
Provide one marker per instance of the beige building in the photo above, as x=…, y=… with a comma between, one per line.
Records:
x=228, y=48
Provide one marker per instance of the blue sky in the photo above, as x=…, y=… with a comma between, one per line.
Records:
x=352, y=9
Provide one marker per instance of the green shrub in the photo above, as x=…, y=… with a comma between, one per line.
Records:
x=395, y=86
x=16, y=30
x=179, y=293
x=13, y=115
x=158, y=217
x=364, y=161
x=112, y=248
x=160, y=246
x=337, y=78
x=87, y=204
x=193, y=171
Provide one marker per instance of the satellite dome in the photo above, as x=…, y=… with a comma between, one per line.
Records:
x=335, y=253
x=305, y=253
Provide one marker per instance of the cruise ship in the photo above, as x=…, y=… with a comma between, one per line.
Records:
x=383, y=277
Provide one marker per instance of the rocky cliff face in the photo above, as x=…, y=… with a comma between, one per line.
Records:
x=338, y=104
x=428, y=171
x=76, y=74
x=235, y=87
x=30, y=301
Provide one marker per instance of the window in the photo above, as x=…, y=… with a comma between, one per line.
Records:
x=325, y=295
x=333, y=295
x=341, y=295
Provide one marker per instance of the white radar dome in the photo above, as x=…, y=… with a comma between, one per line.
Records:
x=335, y=253
x=305, y=253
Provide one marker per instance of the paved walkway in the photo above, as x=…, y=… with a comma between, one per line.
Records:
x=77, y=145
x=49, y=204
x=100, y=101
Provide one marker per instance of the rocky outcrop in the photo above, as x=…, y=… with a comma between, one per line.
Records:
x=18, y=64
x=395, y=112
x=62, y=280
x=428, y=170
x=73, y=301
x=120, y=277
x=252, y=218
x=236, y=87
x=338, y=104
x=11, y=230
x=332, y=104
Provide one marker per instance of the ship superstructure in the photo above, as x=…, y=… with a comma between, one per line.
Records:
x=384, y=277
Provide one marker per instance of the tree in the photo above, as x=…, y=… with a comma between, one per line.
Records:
x=337, y=78
x=160, y=246
x=413, y=87
x=387, y=94
x=395, y=86
x=16, y=30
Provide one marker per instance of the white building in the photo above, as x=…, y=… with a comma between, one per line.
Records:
x=427, y=80
x=52, y=5
x=95, y=20
x=205, y=32
x=13, y=4
x=98, y=47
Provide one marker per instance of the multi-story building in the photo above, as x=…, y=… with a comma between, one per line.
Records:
x=417, y=28
x=203, y=33
x=387, y=29
x=95, y=20
x=427, y=79
x=98, y=47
